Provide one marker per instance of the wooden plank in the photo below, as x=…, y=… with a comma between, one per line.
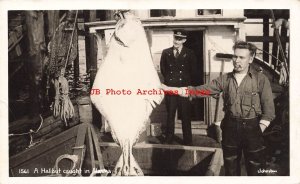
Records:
x=195, y=131
x=109, y=15
x=51, y=123
x=79, y=148
x=92, y=49
x=215, y=164
x=198, y=124
x=36, y=40
x=52, y=133
x=46, y=160
x=16, y=70
x=159, y=159
x=84, y=100
x=172, y=22
x=86, y=14
x=163, y=161
x=265, y=39
x=43, y=147
x=81, y=134
x=91, y=148
x=275, y=52
x=53, y=22
x=98, y=151
x=162, y=146
x=24, y=124
x=283, y=34
x=265, y=66
x=15, y=43
x=255, y=13
x=150, y=21
x=266, y=44
x=51, y=127
x=85, y=113
x=76, y=65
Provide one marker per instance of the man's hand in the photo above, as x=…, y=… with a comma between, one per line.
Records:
x=165, y=87
x=263, y=124
x=262, y=127
x=182, y=92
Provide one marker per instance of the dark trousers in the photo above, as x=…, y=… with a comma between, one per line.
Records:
x=174, y=102
x=240, y=135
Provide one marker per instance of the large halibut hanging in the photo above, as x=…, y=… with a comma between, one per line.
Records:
x=128, y=65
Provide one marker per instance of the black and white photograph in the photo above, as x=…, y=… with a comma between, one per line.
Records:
x=149, y=92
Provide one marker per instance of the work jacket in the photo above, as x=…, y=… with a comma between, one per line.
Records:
x=180, y=71
x=253, y=98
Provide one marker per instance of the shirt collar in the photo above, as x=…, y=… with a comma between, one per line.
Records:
x=179, y=49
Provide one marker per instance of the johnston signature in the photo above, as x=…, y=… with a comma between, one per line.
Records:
x=266, y=171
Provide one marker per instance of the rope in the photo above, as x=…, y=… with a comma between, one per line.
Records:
x=285, y=65
x=62, y=103
x=216, y=46
x=270, y=54
x=30, y=132
x=70, y=46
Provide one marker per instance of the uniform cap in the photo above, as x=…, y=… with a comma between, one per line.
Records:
x=180, y=34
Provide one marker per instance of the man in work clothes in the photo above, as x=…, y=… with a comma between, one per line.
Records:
x=178, y=65
x=249, y=108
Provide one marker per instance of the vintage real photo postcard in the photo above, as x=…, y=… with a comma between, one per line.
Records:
x=147, y=92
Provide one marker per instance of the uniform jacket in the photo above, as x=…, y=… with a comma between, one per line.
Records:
x=251, y=99
x=180, y=71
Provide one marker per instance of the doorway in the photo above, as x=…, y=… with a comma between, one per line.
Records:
x=195, y=43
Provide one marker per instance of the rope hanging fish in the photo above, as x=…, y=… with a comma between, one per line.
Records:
x=62, y=105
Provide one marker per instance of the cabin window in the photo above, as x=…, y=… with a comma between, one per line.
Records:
x=209, y=12
x=163, y=13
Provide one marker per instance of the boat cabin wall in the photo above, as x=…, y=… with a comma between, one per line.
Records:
x=215, y=39
x=190, y=13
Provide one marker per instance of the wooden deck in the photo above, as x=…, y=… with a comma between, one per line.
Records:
x=154, y=158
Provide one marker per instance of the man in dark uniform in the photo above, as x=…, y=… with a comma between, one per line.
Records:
x=249, y=108
x=178, y=65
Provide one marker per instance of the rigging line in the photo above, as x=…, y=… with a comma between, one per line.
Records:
x=71, y=41
x=30, y=131
x=279, y=44
x=270, y=55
